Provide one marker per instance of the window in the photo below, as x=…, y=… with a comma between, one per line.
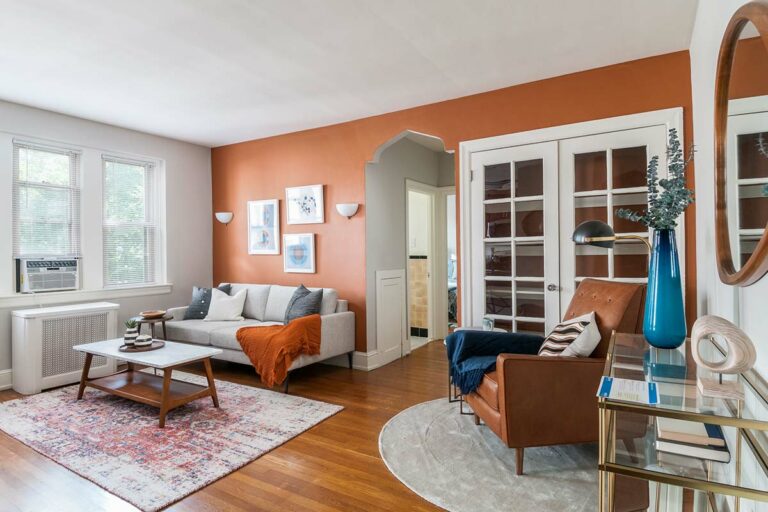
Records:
x=46, y=201
x=130, y=231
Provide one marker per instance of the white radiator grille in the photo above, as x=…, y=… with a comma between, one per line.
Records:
x=61, y=334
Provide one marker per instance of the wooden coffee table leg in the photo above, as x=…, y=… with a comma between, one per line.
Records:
x=165, y=336
x=84, y=376
x=165, y=398
x=211, y=383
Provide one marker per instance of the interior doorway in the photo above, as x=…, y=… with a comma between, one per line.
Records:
x=421, y=256
x=407, y=194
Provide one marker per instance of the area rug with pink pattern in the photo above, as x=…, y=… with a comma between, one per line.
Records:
x=116, y=443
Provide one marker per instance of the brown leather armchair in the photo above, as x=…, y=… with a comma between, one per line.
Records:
x=537, y=401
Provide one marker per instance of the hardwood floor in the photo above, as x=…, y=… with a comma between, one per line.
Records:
x=333, y=466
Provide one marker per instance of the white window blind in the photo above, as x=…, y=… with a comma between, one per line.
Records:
x=130, y=230
x=46, y=201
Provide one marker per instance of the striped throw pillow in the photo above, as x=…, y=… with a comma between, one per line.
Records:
x=561, y=337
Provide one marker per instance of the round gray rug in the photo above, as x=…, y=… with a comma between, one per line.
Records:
x=448, y=460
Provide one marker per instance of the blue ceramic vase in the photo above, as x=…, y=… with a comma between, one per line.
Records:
x=664, y=324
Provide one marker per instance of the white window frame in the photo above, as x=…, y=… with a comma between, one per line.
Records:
x=153, y=207
x=75, y=198
x=91, y=219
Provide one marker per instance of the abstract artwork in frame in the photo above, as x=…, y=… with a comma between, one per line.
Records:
x=305, y=205
x=264, y=227
x=299, y=253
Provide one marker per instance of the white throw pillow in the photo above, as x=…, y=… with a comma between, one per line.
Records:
x=577, y=337
x=226, y=307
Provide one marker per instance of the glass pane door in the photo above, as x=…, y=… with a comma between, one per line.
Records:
x=747, y=202
x=518, y=248
x=599, y=175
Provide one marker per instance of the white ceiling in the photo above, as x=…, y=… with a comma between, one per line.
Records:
x=218, y=72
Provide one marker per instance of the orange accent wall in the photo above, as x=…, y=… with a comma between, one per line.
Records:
x=336, y=156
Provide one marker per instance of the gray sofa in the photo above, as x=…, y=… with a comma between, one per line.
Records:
x=265, y=305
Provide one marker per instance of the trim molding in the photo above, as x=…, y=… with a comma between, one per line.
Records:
x=367, y=361
x=44, y=299
x=6, y=379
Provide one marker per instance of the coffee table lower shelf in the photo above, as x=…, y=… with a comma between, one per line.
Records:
x=155, y=390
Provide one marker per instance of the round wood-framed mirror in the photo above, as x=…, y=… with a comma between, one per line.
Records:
x=741, y=147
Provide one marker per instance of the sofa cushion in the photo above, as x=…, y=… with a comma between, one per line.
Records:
x=226, y=337
x=303, y=303
x=195, y=331
x=201, y=301
x=255, y=301
x=277, y=303
x=489, y=390
x=330, y=298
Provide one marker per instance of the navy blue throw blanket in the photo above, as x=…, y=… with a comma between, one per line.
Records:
x=473, y=353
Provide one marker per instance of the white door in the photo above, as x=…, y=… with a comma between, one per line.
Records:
x=600, y=174
x=391, y=336
x=516, y=245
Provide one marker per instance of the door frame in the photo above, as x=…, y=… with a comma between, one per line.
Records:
x=432, y=193
x=670, y=118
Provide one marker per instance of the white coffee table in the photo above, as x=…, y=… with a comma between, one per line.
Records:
x=146, y=388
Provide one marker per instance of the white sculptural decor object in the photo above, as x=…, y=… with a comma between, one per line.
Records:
x=740, y=356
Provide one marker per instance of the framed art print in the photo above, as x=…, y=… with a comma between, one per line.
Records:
x=299, y=253
x=305, y=205
x=264, y=227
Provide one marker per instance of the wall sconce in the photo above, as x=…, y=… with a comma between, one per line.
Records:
x=347, y=210
x=224, y=217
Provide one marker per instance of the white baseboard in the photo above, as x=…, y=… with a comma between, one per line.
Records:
x=6, y=379
x=367, y=361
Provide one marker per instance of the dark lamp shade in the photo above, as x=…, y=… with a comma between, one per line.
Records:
x=593, y=229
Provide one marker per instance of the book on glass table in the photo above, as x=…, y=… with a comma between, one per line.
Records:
x=692, y=432
x=709, y=445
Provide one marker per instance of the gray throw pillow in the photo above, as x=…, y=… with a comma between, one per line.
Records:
x=303, y=303
x=201, y=301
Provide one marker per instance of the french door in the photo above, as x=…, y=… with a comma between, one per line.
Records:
x=516, y=240
x=525, y=203
x=747, y=168
x=599, y=175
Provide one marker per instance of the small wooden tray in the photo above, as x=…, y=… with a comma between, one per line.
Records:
x=156, y=344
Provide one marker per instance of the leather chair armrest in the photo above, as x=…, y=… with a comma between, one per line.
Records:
x=548, y=400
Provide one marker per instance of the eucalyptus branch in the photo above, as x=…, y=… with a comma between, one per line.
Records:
x=665, y=206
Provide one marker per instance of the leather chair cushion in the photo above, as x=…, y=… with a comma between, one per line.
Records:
x=489, y=390
x=490, y=416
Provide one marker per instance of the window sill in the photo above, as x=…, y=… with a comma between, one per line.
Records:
x=43, y=299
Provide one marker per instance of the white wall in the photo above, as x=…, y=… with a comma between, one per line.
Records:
x=744, y=306
x=188, y=219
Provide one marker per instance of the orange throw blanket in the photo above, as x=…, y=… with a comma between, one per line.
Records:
x=273, y=348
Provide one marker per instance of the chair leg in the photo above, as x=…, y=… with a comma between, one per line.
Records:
x=519, y=466
x=349, y=359
x=477, y=419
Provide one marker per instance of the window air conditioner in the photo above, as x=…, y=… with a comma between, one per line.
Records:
x=47, y=274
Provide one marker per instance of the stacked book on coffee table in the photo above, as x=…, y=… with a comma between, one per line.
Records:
x=691, y=439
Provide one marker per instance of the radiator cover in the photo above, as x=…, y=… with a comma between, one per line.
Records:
x=43, y=339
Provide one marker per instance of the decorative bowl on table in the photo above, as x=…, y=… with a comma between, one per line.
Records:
x=144, y=340
x=153, y=314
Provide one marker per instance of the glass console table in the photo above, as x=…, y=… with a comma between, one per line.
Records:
x=627, y=442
